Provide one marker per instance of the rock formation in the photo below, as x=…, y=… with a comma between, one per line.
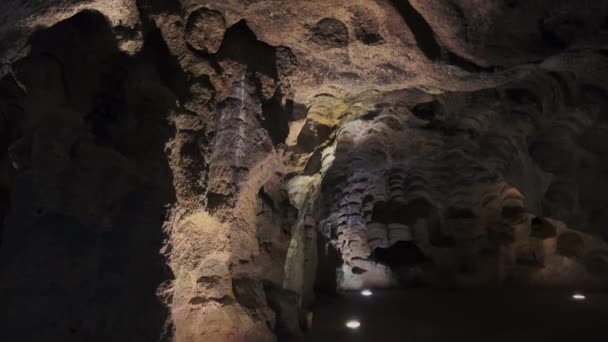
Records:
x=195, y=170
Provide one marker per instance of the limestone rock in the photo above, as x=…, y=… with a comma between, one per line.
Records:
x=194, y=171
x=330, y=32
x=205, y=30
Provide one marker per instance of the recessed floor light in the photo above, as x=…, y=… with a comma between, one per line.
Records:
x=578, y=296
x=366, y=293
x=353, y=324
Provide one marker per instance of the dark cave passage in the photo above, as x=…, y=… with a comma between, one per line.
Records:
x=93, y=242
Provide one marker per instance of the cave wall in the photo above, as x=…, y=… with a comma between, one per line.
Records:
x=80, y=248
x=470, y=189
x=199, y=170
x=148, y=203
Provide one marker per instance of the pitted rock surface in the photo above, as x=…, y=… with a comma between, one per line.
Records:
x=196, y=170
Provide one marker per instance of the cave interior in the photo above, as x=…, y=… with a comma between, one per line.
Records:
x=245, y=170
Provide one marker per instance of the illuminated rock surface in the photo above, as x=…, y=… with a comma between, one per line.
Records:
x=199, y=170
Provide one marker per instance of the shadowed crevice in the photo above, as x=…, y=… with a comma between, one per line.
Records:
x=428, y=43
x=423, y=33
x=88, y=251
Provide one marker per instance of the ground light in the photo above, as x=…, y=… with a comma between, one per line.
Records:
x=578, y=296
x=353, y=324
x=366, y=293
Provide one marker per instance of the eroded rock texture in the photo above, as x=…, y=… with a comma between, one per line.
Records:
x=461, y=188
x=195, y=170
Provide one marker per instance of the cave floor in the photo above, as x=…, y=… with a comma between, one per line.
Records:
x=441, y=315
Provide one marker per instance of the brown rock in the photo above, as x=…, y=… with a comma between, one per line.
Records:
x=183, y=173
x=205, y=30
x=330, y=33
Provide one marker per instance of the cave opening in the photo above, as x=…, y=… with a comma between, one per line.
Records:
x=402, y=258
x=91, y=240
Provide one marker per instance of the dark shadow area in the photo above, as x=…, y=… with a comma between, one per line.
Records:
x=429, y=315
x=437, y=237
x=159, y=6
x=312, y=135
x=276, y=118
x=290, y=318
x=329, y=261
x=465, y=64
x=11, y=117
x=4, y=207
x=80, y=259
x=402, y=253
x=403, y=258
x=427, y=111
x=542, y=229
x=428, y=44
x=423, y=33
x=399, y=212
x=241, y=45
